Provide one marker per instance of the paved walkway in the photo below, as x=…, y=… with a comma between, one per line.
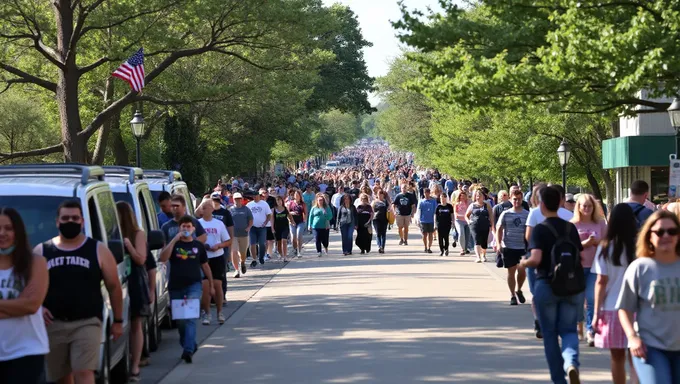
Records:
x=402, y=317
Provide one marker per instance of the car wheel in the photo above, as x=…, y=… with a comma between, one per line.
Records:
x=153, y=329
x=104, y=374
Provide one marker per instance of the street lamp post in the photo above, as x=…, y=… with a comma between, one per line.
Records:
x=137, y=124
x=674, y=114
x=563, y=152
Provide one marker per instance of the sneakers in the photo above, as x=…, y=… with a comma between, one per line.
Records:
x=318, y=254
x=425, y=250
x=447, y=252
x=513, y=300
x=484, y=258
x=429, y=250
x=220, y=318
x=573, y=375
x=262, y=261
x=205, y=319
x=590, y=339
x=253, y=264
x=237, y=274
x=537, y=330
x=405, y=242
x=186, y=356
x=243, y=268
x=520, y=297
x=478, y=260
x=299, y=254
x=267, y=257
x=325, y=252
x=441, y=253
x=401, y=242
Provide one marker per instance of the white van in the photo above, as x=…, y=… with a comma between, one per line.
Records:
x=332, y=165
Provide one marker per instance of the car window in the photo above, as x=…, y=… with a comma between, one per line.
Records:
x=95, y=221
x=146, y=222
x=153, y=212
x=124, y=196
x=154, y=195
x=109, y=217
x=39, y=214
x=190, y=204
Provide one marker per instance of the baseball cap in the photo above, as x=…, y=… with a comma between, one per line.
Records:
x=215, y=196
x=237, y=195
x=569, y=198
x=262, y=191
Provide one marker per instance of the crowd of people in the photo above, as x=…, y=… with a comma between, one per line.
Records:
x=612, y=281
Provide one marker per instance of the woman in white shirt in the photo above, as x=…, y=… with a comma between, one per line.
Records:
x=615, y=252
x=23, y=286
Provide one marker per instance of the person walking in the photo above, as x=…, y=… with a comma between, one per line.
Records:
x=243, y=222
x=614, y=254
x=188, y=258
x=479, y=217
x=444, y=219
x=262, y=215
x=511, y=226
x=347, y=221
x=405, y=207
x=650, y=293
x=426, y=207
x=281, y=225
x=589, y=221
x=319, y=221
x=218, y=240
x=299, y=211
x=381, y=205
x=134, y=240
x=557, y=314
x=23, y=286
x=461, y=206
x=364, y=226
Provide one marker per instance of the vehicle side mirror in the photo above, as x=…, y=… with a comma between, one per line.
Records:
x=155, y=240
x=116, y=247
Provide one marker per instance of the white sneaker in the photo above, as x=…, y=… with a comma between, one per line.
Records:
x=206, y=319
x=325, y=252
x=237, y=274
x=478, y=260
x=318, y=254
x=220, y=318
x=266, y=257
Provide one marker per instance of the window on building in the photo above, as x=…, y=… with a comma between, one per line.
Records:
x=659, y=186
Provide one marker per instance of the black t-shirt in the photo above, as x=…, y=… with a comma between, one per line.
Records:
x=280, y=219
x=355, y=192
x=443, y=214
x=271, y=201
x=404, y=203
x=542, y=238
x=185, y=264
x=224, y=215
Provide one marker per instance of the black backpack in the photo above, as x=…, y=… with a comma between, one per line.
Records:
x=636, y=212
x=567, y=277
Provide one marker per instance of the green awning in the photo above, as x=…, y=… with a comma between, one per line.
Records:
x=637, y=151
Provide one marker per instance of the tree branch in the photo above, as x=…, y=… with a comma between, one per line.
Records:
x=27, y=78
x=124, y=20
x=93, y=66
x=33, y=152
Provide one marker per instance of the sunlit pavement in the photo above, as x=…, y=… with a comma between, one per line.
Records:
x=401, y=317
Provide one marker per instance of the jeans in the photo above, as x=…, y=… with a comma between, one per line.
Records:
x=443, y=231
x=558, y=317
x=321, y=237
x=660, y=367
x=258, y=236
x=297, y=230
x=187, y=327
x=347, y=234
x=591, y=278
x=380, y=232
x=531, y=278
x=465, y=237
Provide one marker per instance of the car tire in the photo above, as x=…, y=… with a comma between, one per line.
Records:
x=104, y=374
x=153, y=329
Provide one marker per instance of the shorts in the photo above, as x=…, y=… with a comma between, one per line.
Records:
x=270, y=234
x=240, y=245
x=297, y=230
x=74, y=346
x=282, y=233
x=427, y=227
x=611, y=334
x=403, y=221
x=23, y=370
x=218, y=267
x=511, y=257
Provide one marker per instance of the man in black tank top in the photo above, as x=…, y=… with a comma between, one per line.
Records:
x=73, y=305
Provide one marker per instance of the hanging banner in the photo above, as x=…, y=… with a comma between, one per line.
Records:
x=674, y=178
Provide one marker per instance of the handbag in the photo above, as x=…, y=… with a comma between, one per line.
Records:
x=370, y=229
x=390, y=217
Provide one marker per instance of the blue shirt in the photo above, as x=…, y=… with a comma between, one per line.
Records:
x=427, y=207
x=163, y=218
x=641, y=212
x=450, y=186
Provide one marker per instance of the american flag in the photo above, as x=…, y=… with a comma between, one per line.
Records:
x=132, y=71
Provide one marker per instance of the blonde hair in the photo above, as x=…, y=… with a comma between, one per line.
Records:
x=596, y=216
x=644, y=246
x=316, y=200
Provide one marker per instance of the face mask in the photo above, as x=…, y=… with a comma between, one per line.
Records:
x=186, y=233
x=7, y=251
x=69, y=230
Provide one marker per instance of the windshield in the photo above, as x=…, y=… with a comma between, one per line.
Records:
x=155, y=195
x=39, y=214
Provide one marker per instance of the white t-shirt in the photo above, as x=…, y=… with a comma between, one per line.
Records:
x=260, y=211
x=614, y=273
x=536, y=216
x=217, y=233
x=336, y=199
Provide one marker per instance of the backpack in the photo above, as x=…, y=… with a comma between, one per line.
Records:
x=567, y=277
x=636, y=212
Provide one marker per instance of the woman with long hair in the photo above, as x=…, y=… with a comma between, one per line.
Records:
x=23, y=286
x=650, y=293
x=615, y=252
x=480, y=218
x=461, y=206
x=364, y=219
x=298, y=211
x=281, y=224
x=134, y=240
x=319, y=220
x=381, y=205
x=346, y=221
x=589, y=221
x=444, y=219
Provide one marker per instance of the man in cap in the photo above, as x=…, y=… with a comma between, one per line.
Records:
x=243, y=221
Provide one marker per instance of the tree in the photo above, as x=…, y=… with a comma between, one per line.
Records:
x=57, y=47
x=184, y=151
x=571, y=56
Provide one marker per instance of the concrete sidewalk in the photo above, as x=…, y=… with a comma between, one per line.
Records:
x=402, y=317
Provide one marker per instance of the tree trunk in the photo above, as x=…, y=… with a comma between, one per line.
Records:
x=103, y=134
x=120, y=152
x=75, y=147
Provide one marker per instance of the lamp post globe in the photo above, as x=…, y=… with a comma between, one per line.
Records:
x=137, y=125
x=563, y=153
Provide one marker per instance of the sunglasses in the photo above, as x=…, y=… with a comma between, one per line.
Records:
x=670, y=231
x=66, y=218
